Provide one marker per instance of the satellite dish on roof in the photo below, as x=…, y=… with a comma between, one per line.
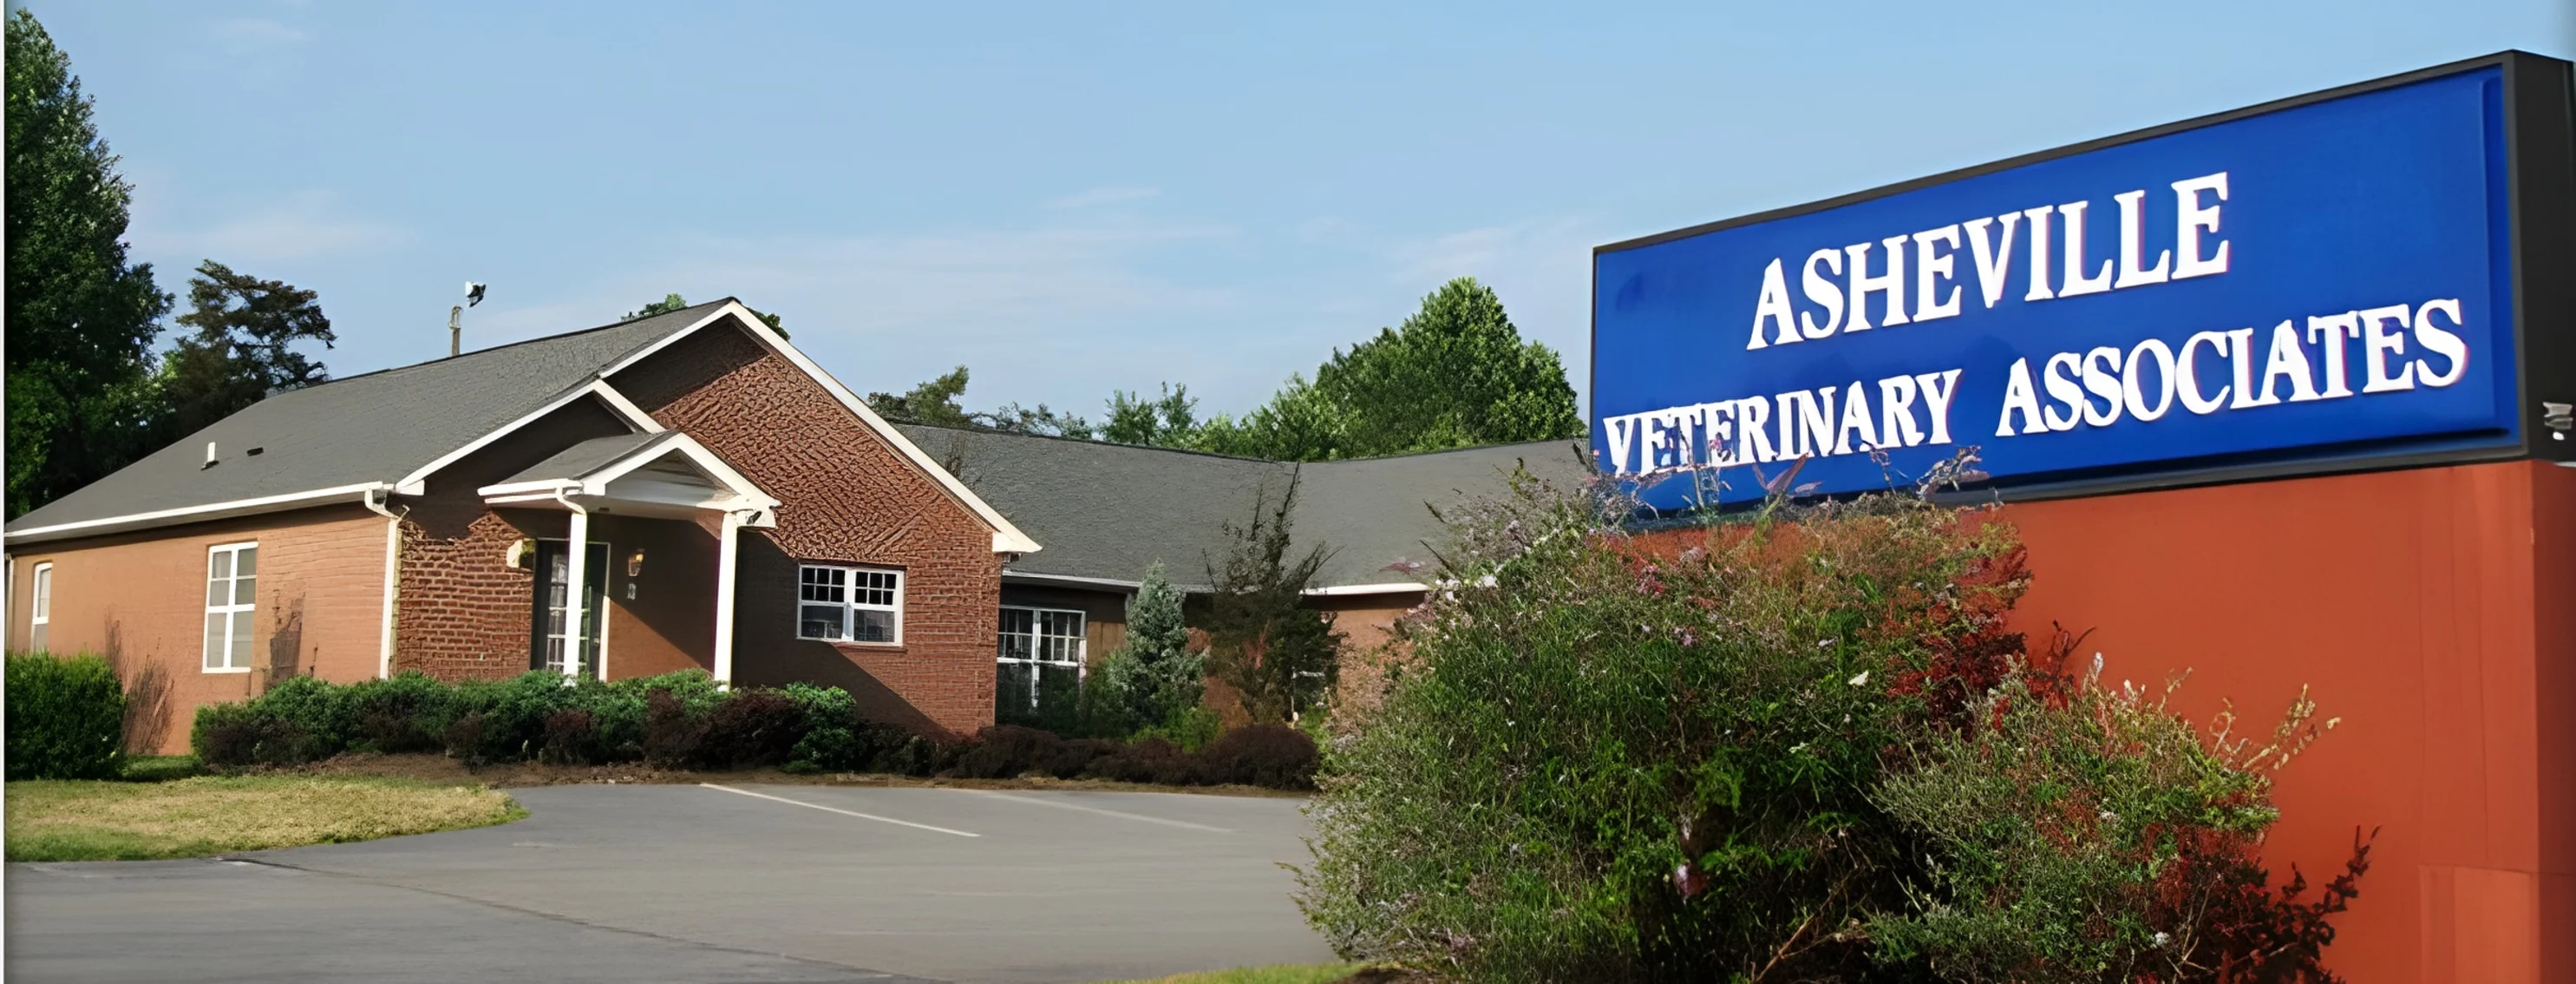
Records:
x=473, y=293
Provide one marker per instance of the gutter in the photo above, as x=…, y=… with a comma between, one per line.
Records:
x=362, y=493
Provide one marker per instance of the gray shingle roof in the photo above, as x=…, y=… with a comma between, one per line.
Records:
x=583, y=458
x=375, y=427
x=1106, y=511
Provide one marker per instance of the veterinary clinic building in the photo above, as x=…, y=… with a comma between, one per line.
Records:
x=739, y=511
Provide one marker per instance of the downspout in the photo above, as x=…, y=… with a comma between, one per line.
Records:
x=376, y=500
x=576, y=557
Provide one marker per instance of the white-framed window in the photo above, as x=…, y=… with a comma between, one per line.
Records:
x=40, y=606
x=849, y=604
x=232, y=582
x=1037, y=644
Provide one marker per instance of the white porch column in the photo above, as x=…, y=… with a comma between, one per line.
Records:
x=577, y=547
x=728, y=548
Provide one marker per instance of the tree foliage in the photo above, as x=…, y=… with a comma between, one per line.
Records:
x=1169, y=420
x=939, y=402
x=1278, y=655
x=81, y=320
x=241, y=351
x=674, y=302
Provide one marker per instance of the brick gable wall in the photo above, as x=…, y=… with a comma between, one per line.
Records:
x=848, y=497
x=464, y=612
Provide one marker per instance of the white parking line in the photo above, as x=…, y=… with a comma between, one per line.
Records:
x=835, y=809
x=1034, y=801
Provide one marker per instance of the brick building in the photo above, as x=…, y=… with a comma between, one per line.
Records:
x=742, y=512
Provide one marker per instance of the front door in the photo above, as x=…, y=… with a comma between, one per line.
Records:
x=554, y=634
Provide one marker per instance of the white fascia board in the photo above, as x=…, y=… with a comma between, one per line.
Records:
x=596, y=483
x=195, y=514
x=416, y=483
x=1007, y=538
x=1021, y=577
x=1389, y=587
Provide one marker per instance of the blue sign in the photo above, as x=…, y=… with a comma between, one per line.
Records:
x=2327, y=280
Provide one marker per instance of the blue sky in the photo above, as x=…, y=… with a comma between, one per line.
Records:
x=1074, y=198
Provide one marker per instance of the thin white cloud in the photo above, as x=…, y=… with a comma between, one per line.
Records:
x=301, y=226
x=1108, y=195
x=252, y=35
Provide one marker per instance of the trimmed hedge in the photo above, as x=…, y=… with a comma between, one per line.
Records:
x=66, y=718
x=682, y=721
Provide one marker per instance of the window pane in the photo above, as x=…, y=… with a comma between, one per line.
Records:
x=873, y=626
x=1015, y=647
x=821, y=583
x=219, y=591
x=820, y=621
x=44, y=592
x=218, y=629
x=219, y=564
x=247, y=563
x=241, y=640
x=244, y=590
x=1016, y=620
x=36, y=638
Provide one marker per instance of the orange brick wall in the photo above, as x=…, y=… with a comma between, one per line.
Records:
x=849, y=498
x=139, y=599
x=2434, y=611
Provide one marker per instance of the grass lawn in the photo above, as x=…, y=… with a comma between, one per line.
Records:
x=1281, y=974
x=70, y=820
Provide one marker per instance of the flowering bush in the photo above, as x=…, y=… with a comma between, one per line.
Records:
x=1692, y=754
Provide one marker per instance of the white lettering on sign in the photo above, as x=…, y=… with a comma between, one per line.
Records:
x=1839, y=283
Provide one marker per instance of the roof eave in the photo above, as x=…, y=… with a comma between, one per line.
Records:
x=360, y=493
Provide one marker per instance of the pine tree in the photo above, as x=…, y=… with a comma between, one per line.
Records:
x=1278, y=654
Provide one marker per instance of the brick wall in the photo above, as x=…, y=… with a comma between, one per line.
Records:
x=849, y=497
x=464, y=612
x=139, y=600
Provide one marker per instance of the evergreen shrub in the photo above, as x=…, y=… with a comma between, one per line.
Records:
x=66, y=718
x=683, y=721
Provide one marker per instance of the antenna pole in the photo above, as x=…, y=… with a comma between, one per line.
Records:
x=455, y=331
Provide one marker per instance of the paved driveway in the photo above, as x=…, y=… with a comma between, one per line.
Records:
x=689, y=883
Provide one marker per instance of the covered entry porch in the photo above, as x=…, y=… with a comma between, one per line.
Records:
x=658, y=518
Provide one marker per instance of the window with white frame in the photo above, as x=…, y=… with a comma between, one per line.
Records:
x=849, y=604
x=40, y=607
x=232, y=581
x=1036, y=644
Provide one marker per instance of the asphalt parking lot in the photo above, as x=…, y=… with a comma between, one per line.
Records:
x=740, y=883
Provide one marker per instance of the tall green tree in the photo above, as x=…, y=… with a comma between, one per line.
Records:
x=1456, y=374
x=1171, y=419
x=242, y=349
x=1279, y=655
x=80, y=319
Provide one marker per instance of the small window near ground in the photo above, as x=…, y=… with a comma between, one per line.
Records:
x=1039, y=662
x=41, y=607
x=849, y=604
x=232, y=582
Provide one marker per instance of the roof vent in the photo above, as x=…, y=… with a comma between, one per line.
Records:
x=210, y=457
x=254, y=452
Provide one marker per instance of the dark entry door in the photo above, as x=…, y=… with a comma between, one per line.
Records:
x=552, y=637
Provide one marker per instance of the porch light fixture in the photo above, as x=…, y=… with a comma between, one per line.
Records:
x=635, y=563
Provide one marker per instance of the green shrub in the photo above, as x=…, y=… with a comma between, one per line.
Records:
x=1773, y=750
x=2091, y=836
x=66, y=718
